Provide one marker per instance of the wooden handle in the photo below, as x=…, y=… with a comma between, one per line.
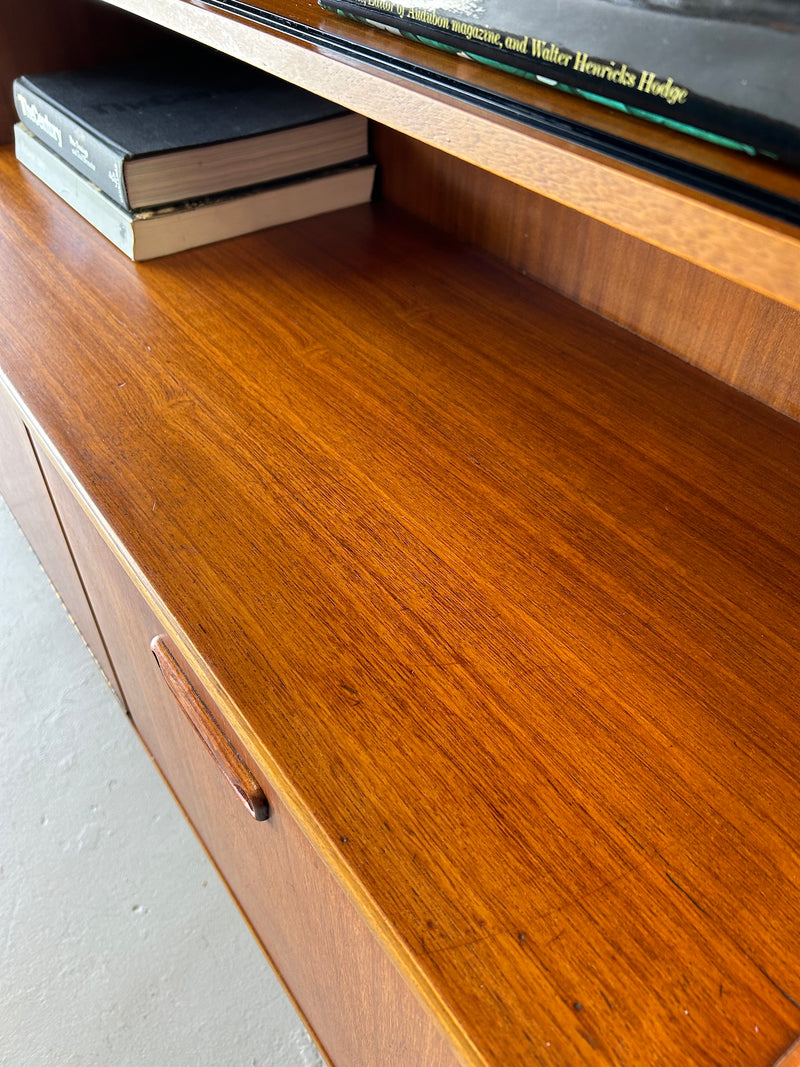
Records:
x=213, y=737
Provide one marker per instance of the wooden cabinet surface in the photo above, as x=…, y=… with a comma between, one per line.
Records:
x=497, y=600
x=350, y=994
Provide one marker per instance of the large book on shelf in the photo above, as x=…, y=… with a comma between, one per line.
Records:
x=724, y=70
x=161, y=231
x=182, y=124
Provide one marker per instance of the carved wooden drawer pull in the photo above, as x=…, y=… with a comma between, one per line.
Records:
x=213, y=737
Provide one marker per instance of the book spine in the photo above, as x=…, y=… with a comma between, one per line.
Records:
x=99, y=210
x=615, y=84
x=98, y=161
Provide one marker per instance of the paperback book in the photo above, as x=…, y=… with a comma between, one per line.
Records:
x=184, y=124
x=146, y=234
x=724, y=70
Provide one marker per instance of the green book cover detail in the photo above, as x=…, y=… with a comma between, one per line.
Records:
x=726, y=71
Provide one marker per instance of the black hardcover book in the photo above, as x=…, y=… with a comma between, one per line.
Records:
x=724, y=70
x=187, y=122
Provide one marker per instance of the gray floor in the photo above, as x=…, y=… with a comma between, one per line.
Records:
x=118, y=944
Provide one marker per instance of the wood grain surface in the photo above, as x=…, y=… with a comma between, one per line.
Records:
x=738, y=335
x=351, y=996
x=503, y=598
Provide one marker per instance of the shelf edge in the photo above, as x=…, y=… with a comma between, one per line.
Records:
x=733, y=243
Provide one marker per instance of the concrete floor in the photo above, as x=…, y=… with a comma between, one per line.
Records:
x=118, y=943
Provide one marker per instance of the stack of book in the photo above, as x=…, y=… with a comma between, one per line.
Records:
x=163, y=156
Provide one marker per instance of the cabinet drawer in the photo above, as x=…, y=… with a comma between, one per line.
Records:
x=353, y=998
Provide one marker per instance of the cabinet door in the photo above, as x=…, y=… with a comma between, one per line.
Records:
x=23, y=487
x=352, y=996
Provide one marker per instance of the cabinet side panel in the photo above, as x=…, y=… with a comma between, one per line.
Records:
x=728, y=331
x=350, y=993
x=23, y=487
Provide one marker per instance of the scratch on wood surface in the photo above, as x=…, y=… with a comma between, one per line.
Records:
x=455, y=945
x=783, y=993
x=688, y=895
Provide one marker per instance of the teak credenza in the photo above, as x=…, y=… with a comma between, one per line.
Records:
x=459, y=536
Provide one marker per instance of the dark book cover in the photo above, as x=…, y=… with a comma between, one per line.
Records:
x=176, y=100
x=727, y=70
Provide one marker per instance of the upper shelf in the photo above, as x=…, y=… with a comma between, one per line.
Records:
x=704, y=204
